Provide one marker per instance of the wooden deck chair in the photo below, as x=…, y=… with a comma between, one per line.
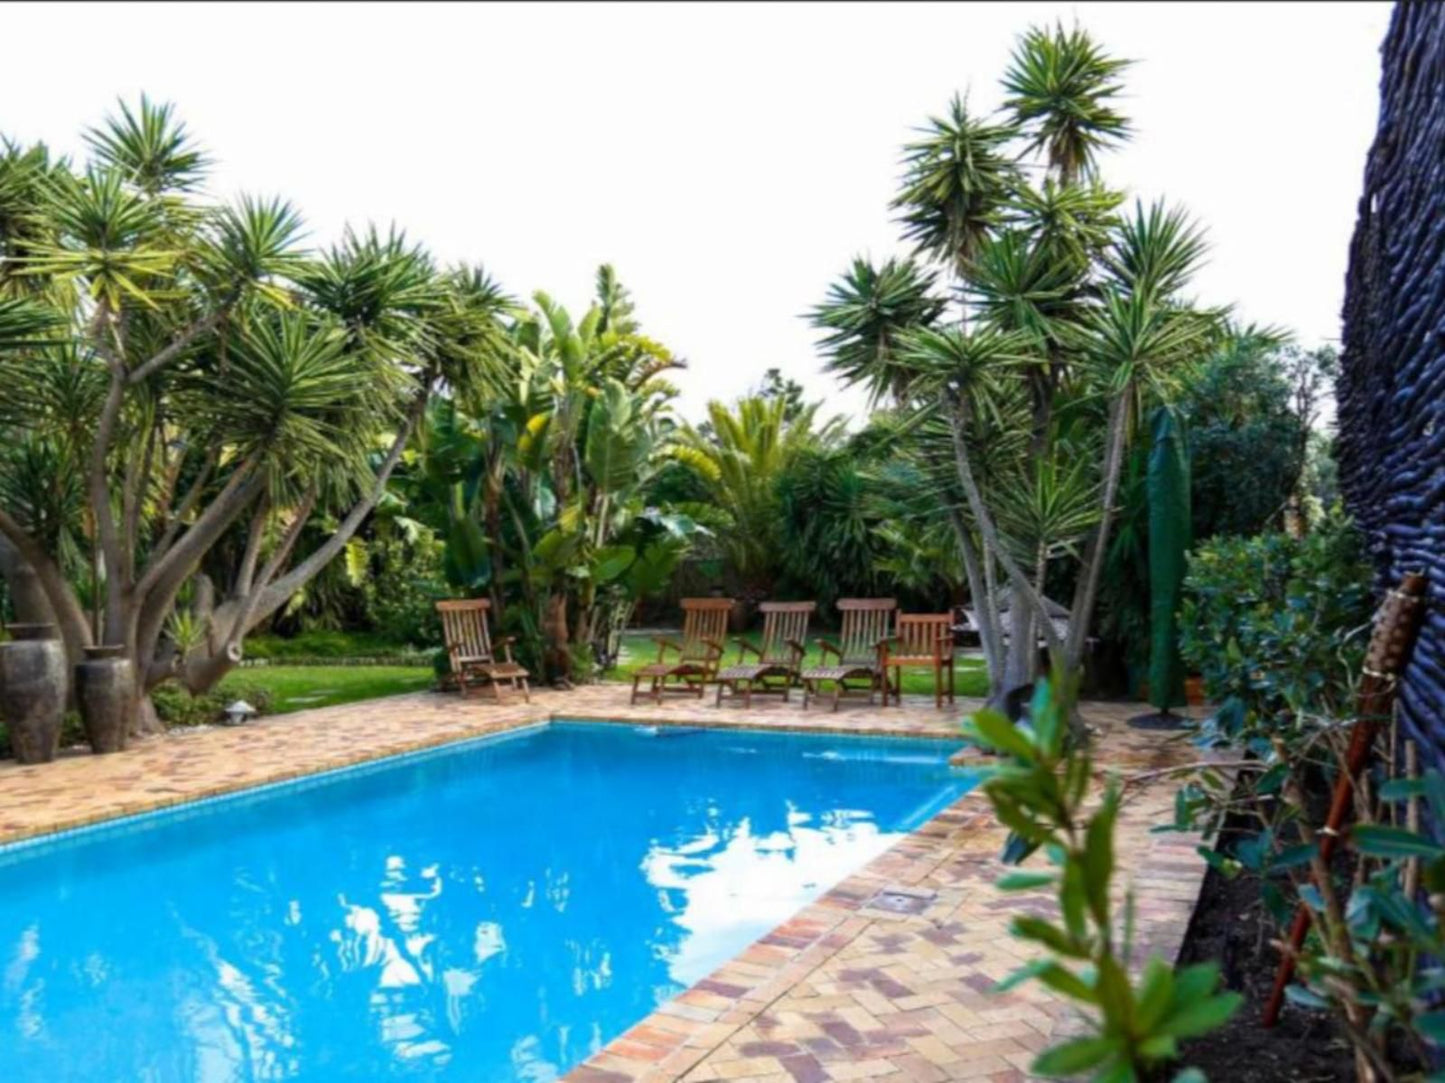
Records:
x=778, y=662
x=704, y=624
x=857, y=652
x=469, y=645
x=919, y=639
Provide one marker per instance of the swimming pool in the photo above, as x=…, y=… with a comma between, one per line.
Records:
x=497, y=909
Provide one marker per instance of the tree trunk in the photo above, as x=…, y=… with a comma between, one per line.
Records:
x=1024, y=594
x=1087, y=591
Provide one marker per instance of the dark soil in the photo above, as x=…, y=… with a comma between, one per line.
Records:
x=1230, y=925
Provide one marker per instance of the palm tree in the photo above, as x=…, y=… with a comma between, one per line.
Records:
x=739, y=456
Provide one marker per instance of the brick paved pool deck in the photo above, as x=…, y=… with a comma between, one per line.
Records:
x=886, y=976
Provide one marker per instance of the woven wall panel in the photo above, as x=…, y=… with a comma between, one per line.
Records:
x=1392, y=381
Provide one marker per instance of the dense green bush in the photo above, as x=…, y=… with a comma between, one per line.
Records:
x=1274, y=622
x=402, y=592
x=177, y=707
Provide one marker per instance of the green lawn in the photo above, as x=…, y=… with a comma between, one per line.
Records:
x=969, y=674
x=295, y=688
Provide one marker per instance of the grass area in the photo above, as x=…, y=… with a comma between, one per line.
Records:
x=296, y=688
x=968, y=673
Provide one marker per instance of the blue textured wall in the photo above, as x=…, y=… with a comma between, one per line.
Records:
x=1392, y=385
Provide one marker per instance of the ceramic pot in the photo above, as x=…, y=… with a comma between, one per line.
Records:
x=104, y=691
x=32, y=691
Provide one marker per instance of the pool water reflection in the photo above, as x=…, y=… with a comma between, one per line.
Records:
x=495, y=911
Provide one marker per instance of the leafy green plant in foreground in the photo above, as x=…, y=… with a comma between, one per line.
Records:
x=1041, y=791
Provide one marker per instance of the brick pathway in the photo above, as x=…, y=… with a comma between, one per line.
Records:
x=886, y=976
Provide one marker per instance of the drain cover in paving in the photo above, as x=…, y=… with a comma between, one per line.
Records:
x=902, y=901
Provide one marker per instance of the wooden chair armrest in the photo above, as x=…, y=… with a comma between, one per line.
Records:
x=714, y=648
x=744, y=646
x=799, y=651
x=663, y=643
x=825, y=647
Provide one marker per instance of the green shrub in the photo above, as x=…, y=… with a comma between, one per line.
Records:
x=177, y=707
x=402, y=593
x=1275, y=623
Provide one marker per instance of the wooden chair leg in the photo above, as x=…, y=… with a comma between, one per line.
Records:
x=636, y=680
x=496, y=689
x=526, y=691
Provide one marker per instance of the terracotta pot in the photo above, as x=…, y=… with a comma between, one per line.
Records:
x=104, y=692
x=32, y=691
x=1194, y=691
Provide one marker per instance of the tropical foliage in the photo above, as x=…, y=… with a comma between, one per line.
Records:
x=538, y=480
x=198, y=383
x=1074, y=319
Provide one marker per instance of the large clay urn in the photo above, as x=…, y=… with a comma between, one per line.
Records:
x=32, y=691
x=104, y=691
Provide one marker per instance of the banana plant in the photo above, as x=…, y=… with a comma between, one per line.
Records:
x=537, y=485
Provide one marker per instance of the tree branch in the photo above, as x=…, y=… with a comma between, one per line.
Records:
x=1088, y=588
x=276, y=562
x=188, y=503
x=989, y=532
x=249, y=559
x=179, y=343
x=276, y=594
x=244, y=485
x=136, y=475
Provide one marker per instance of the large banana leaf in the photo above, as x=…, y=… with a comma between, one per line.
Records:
x=1169, y=537
x=618, y=442
x=467, y=562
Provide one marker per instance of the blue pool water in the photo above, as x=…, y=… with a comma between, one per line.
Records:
x=494, y=911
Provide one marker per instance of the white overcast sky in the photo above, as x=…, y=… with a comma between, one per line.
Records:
x=728, y=159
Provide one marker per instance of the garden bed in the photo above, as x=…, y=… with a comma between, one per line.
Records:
x=1230, y=926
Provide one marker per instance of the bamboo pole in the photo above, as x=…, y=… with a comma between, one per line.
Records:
x=1396, y=625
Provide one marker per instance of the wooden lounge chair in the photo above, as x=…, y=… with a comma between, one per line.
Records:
x=704, y=623
x=857, y=652
x=777, y=662
x=469, y=645
x=919, y=639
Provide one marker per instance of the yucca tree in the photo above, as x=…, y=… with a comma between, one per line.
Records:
x=1071, y=319
x=864, y=316
x=1061, y=86
x=206, y=379
x=958, y=176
